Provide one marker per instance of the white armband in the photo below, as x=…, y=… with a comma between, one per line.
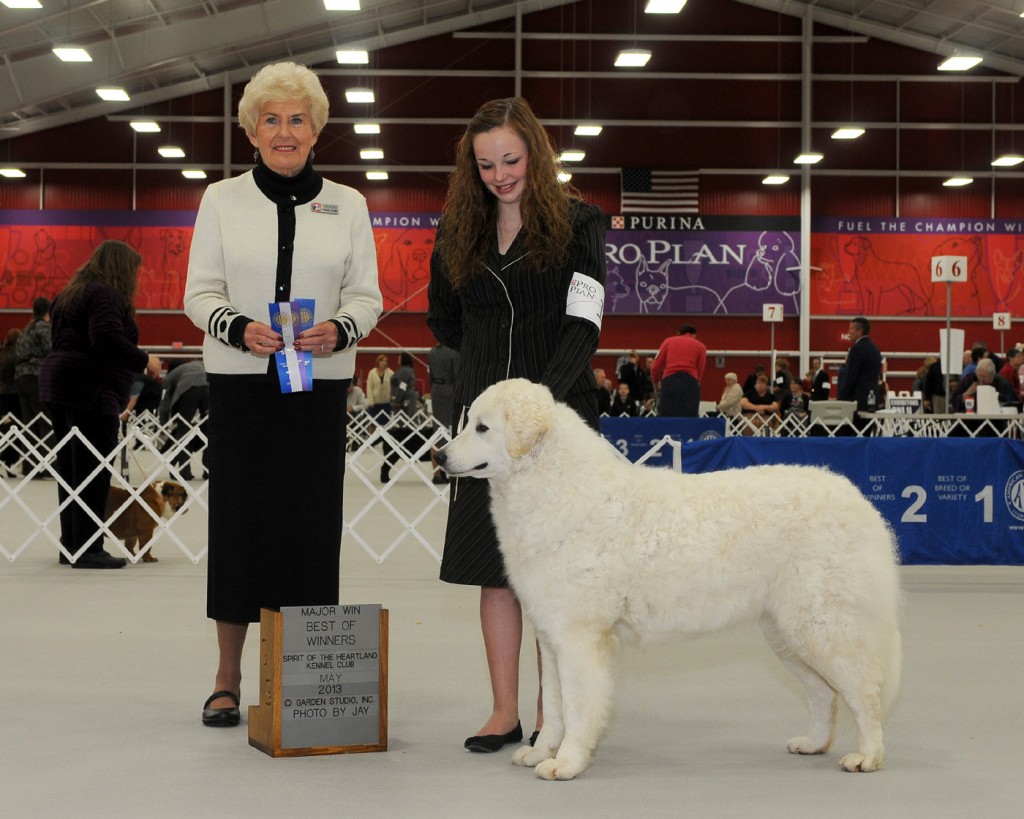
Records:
x=585, y=299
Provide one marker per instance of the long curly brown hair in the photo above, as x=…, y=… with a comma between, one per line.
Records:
x=470, y=217
x=112, y=262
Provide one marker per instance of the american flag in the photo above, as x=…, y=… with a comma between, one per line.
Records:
x=647, y=191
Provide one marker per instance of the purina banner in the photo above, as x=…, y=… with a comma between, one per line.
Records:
x=674, y=264
x=950, y=501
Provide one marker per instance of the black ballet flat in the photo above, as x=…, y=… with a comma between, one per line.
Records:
x=221, y=717
x=533, y=738
x=489, y=743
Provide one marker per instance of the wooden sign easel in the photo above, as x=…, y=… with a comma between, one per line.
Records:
x=265, y=719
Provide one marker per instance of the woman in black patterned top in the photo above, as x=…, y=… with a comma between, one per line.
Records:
x=517, y=287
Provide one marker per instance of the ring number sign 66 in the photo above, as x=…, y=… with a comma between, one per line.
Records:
x=949, y=268
x=919, y=496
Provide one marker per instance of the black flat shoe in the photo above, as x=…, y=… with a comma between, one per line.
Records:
x=489, y=743
x=533, y=738
x=99, y=560
x=221, y=717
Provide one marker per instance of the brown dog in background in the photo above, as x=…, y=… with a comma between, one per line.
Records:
x=135, y=525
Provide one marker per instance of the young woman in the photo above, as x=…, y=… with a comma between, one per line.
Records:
x=517, y=287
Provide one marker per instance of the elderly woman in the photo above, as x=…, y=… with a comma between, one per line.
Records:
x=276, y=233
x=732, y=395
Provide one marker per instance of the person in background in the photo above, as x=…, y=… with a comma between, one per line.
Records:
x=863, y=370
x=144, y=396
x=732, y=396
x=187, y=394
x=276, y=233
x=751, y=380
x=1011, y=370
x=984, y=374
x=355, y=400
x=378, y=389
x=759, y=405
x=679, y=368
x=32, y=346
x=604, y=395
x=10, y=401
x=821, y=381
x=517, y=283
x=933, y=388
x=84, y=383
x=624, y=403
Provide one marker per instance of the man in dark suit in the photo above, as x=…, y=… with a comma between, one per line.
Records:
x=821, y=385
x=860, y=376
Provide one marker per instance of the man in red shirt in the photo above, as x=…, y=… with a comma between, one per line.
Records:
x=1011, y=370
x=679, y=368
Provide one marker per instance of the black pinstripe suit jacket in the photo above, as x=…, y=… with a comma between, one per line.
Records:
x=510, y=320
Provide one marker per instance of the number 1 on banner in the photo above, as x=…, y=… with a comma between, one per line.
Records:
x=949, y=268
x=771, y=312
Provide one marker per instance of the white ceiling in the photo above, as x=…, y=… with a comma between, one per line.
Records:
x=164, y=49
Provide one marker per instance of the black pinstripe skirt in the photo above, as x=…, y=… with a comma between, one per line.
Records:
x=277, y=469
x=471, y=555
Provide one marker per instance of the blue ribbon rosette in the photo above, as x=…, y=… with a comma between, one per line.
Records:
x=294, y=368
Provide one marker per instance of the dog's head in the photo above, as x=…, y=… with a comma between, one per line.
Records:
x=173, y=495
x=505, y=423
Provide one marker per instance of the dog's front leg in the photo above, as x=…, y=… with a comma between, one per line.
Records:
x=553, y=730
x=584, y=672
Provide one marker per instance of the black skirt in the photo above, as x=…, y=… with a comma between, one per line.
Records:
x=277, y=468
x=471, y=555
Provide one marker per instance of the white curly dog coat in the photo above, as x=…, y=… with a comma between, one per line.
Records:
x=598, y=550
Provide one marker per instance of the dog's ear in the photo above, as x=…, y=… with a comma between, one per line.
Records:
x=165, y=488
x=526, y=421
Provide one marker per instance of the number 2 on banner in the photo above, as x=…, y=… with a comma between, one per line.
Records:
x=949, y=268
x=913, y=513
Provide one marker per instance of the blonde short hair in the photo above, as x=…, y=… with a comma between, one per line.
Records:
x=279, y=82
x=731, y=377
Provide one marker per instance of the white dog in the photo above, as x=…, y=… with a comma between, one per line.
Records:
x=598, y=549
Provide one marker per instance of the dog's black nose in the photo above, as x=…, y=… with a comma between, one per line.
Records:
x=441, y=457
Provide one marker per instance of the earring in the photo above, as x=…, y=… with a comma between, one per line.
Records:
x=256, y=156
x=312, y=154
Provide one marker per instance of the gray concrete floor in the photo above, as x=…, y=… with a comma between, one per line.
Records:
x=103, y=674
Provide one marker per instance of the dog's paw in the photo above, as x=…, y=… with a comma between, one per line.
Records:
x=805, y=745
x=559, y=769
x=860, y=763
x=529, y=757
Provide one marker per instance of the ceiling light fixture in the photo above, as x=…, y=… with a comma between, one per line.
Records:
x=809, y=158
x=959, y=62
x=72, y=54
x=375, y=176
x=1007, y=161
x=359, y=95
x=957, y=182
x=632, y=58
x=664, y=6
x=35, y=4
x=366, y=128
x=348, y=56
x=341, y=5
x=371, y=153
x=12, y=173
x=171, y=152
x=588, y=130
x=113, y=94
x=847, y=133
x=571, y=155
x=193, y=174
x=145, y=126
x=775, y=179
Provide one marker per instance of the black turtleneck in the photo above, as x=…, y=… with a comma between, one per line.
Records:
x=286, y=192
